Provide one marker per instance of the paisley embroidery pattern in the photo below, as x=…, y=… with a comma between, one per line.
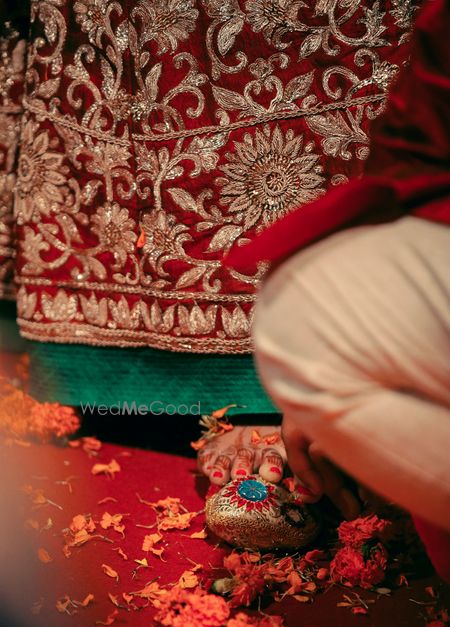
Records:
x=158, y=135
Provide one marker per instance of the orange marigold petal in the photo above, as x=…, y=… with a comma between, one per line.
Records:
x=188, y=580
x=44, y=556
x=107, y=469
x=109, y=620
x=85, y=602
x=199, y=535
x=110, y=572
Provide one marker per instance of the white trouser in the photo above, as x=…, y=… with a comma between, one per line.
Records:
x=352, y=341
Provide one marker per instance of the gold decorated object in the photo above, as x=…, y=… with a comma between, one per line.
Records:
x=254, y=513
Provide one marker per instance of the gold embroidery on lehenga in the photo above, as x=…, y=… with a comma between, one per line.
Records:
x=264, y=80
x=7, y=182
x=278, y=18
x=115, y=231
x=235, y=323
x=62, y=307
x=403, y=12
x=274, y=19
x=340, y=132
x=159, y=119
x=227, y=23
x=267, y=175
x=93, y=17
x=42, y=184
x=164, y=239
x=12, y=67
x=166, y=22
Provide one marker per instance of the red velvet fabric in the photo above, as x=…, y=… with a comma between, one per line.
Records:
x=158, y=135
x=24, y=579
x=408, y=168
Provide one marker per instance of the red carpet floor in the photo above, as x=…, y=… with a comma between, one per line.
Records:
x=64, y=476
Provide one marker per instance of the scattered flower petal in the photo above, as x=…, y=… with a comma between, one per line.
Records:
x=106, y=469
x=44, y=556
x=150, y=540
x=110, y=572
x=121, y=553
x=177, y=521
x=113, y=521
x=199, y=535
x=109, y=620
x=188, y=580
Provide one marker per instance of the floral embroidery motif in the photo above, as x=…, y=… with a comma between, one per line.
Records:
x=339, y=133
x=235, y=323
x=41, y=181
x=115, y=230
x=166, y=21
x=163, y=238
x=403, y=11
x=156, y=137
x=91, y=16
x=268, y=175
x=274, y=18
x=60, y=308
x=195, y=321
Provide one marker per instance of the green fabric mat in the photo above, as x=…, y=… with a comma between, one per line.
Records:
x=78, y=374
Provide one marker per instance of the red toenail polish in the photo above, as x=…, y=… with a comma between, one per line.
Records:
x=241, y=471
x=276, y=470
x=217, y=473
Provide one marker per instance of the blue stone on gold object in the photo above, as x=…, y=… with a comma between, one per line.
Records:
x=252, y=490
x=254, y=514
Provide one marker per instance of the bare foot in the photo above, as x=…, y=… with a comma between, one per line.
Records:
x=244, y=451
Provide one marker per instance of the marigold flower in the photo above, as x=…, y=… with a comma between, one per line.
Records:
x=356, y=532
x=82, y=522
x=250, y=583
x=50, y=420
x=187, y=608
x=349, y=566
x=232, y=561
x=23, y=417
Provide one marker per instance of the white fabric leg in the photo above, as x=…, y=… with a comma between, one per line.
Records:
x=352, y=340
